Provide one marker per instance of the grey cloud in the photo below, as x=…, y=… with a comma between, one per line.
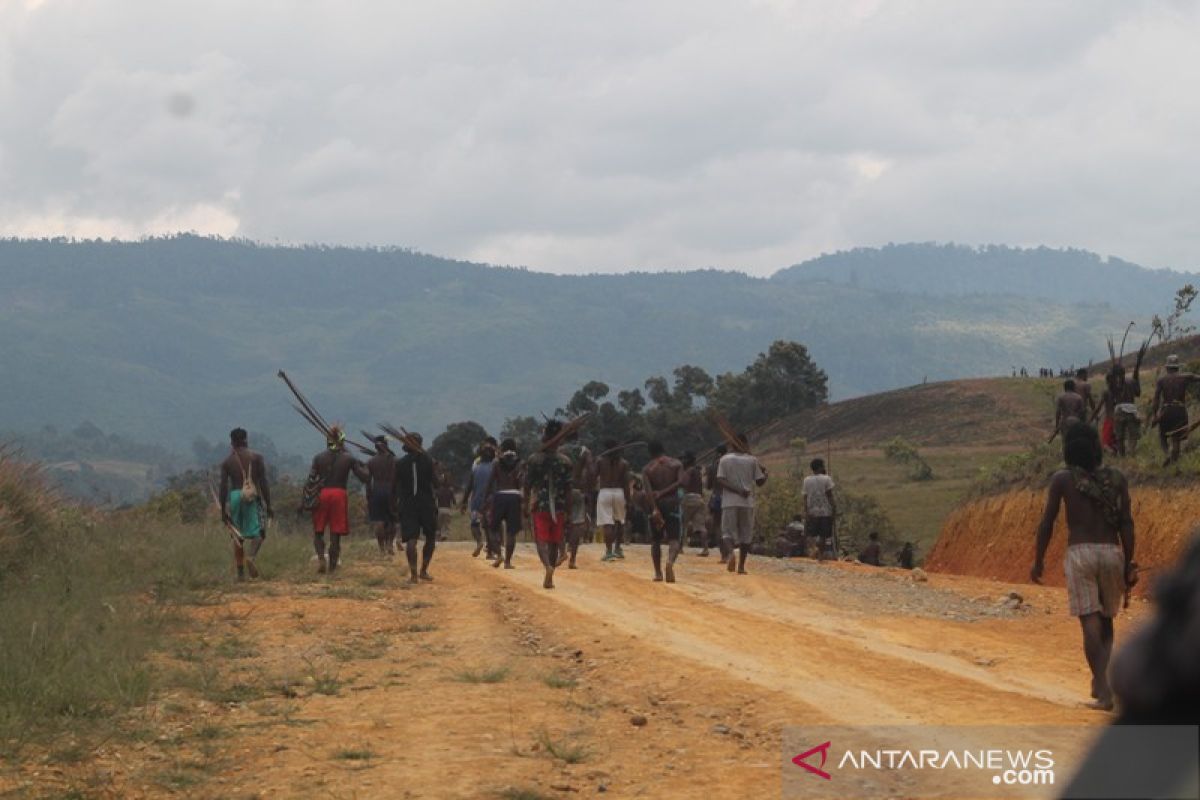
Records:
x=571, y=136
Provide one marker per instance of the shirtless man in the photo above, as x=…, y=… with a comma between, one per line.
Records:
x=1121, y=417
x=739, y=474
x=476, y=492
x=381, y=496
x=1068, y=407
x=548, y=499
x=612, y=498
x=503, y=495
x=243, y=468
x=695, y=514
x=1168, y=409
x=334, y=465
x=663, y=477
x=1084, y=390
x=1100, y=545
x=714, y=505
x=416, y=482
x=583, y=476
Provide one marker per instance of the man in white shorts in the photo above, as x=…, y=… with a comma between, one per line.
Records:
x=612, y=478
x=738, y=474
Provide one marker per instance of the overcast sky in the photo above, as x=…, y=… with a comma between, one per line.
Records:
x=585, y=136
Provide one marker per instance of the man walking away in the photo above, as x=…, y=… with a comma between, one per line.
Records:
x=415, y=485
x=332, y=468
x=381, y=496
x=662, y=479
x=1100, y=545
x=820, y=509
x=475, y=493
x=739, y=473
x=612, y=498
x=714, y=505
x=244, y=495
x=503, y=497
x=1169, y=409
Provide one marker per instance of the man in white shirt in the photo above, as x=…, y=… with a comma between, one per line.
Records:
x=820, y=509
x=738, y=473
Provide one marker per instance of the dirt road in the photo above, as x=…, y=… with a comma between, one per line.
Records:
x=482, y=684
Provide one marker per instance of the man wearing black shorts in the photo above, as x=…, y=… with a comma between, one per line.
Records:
x=503, y=495
x=415, y=485
x=820, y=508
x=663, y=478
x=381, y=496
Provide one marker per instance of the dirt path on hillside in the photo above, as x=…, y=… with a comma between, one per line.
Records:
x=482, y=684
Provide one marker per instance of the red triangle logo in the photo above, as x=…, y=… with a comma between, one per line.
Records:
x=823, y=749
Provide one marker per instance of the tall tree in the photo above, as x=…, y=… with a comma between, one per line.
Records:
x=455, y=446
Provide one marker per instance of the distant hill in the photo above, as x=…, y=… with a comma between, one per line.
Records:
x=169, y=338
x=950, y=270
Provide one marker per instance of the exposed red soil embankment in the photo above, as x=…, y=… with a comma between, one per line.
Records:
x=994, y=537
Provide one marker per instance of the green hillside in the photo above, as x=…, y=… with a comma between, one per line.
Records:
x=166, y=339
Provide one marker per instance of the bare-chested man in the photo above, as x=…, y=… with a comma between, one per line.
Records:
x=1122, y=423
x=416, y=482
x=548, y=498
x=1068, y=407
x=503, y=496
x=1169, y=409
x=381, y=495
x=1084, y=390
x=245, y=494
x=695, y=513
x=663, y=477
x=333, y=465
x=583, y=475
x=1100, y=544
x=612, y=498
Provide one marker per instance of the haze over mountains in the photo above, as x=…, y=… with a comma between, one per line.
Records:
x=165, y=339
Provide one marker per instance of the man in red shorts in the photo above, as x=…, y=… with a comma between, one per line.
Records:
x=333, y=466
x=548, y=498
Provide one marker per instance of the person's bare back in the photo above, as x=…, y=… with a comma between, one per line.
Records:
x=612, y=473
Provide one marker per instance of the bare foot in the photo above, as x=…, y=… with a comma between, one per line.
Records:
x=670, y=573
x=322, y=565
x=549, y=582
x=572, y=566
x=425, y=576
x=497, y=563
x=742, y=572
x=414, y=579
x=508, y=565
x=253, y=570
x=731, y=564
x=478, y=550
x=658, y=577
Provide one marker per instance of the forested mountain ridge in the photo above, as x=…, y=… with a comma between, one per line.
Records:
x=169, y=338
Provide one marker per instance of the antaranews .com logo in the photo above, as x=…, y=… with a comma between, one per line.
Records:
x=989, y=761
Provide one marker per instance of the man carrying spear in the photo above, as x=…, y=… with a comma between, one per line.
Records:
x=381, y=495
x=1169, y=411
x=548, y=496
x=612, y=499
x=663, y=478
x=332, y=467
x=244, y=494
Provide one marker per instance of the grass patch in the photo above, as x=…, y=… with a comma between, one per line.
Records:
x=557, y=680
x=355, y=650
x=345, y=591
x=415, y=605
x=565, y=749
x=421, y=627
x=482, y=675
x=354, y=754
x=512, y=793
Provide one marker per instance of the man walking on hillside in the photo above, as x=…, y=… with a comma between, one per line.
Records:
x=245, y=493
x=415, y=485
x=1100, y=543
x=820, y=508
x=331, y=468
x=739, y=474
x=1169, y=409
x=1068, y=408
x=662, y=478
x=548, y=498
x=1084, y=390
x=1122, y=423
x=503, y=496
x=381, y=496
x=612, y=498
x=695, y=513
x=476, y=492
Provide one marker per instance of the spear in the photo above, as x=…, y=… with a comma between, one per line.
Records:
x=619, y=448
x=1121, y=352
x=314, y=418
x=403, y=436
x=728, y=433
x=234, y=534
x=569, y=427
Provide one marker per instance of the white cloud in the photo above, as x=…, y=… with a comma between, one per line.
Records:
x=572, y=136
